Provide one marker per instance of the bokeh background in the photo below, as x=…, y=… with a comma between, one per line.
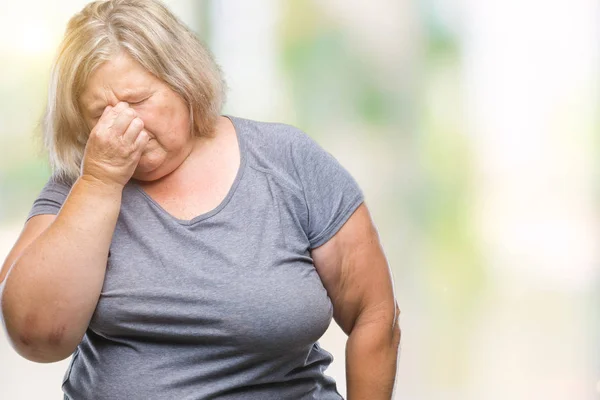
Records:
x=472, y=126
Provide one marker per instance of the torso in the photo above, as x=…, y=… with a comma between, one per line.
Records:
x=227, y=305
x=203, y=182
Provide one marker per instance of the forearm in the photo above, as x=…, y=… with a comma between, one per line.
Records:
x=371, y=359
x=53, y=287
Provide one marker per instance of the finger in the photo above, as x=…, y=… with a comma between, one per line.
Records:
x=112, y=112
x=108, y=115
x=122, y=121
x=141, y=141
x=133, y=130
x=121, y=106
x=107, y=109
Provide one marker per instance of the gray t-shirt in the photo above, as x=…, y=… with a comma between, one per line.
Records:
x=227, y=305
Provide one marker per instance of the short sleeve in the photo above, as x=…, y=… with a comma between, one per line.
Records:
x=330, y=192
x=50, y=199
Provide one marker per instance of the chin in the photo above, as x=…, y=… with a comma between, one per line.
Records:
x=148, y=169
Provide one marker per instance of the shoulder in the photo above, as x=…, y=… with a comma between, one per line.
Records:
x=276, y=135
x=276, y=148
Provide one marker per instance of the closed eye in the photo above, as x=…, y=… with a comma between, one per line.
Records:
x=138, y=102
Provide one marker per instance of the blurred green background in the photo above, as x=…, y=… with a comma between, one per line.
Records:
x=472, y=129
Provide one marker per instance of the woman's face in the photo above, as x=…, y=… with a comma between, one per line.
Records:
x=164, y=112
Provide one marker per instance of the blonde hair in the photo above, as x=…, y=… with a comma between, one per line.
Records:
x=152, y=36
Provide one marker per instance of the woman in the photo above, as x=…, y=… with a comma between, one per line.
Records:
x=182, y=254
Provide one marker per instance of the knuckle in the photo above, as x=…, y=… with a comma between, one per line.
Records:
x=103, y=140
x=95, y=134
x=110, y=131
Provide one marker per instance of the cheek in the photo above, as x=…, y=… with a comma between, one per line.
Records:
x=154, y=121
x=167, y=125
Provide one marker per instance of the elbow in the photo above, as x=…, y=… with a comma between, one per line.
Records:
x=396, y=338
x=40, y=348
x=380, y=326
x=43, y=357
x=392, y=323
x=396, y=331
x=33, y=342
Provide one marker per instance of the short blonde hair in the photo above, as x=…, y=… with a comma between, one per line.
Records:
x=152, y=36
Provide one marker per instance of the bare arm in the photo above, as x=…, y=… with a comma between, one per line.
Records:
x=50, y=294
x=355, y=273
x=51, y=280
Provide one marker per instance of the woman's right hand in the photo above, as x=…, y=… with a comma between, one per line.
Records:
x=114, y=147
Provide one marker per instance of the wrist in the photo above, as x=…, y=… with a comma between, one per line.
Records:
x=99, y=186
